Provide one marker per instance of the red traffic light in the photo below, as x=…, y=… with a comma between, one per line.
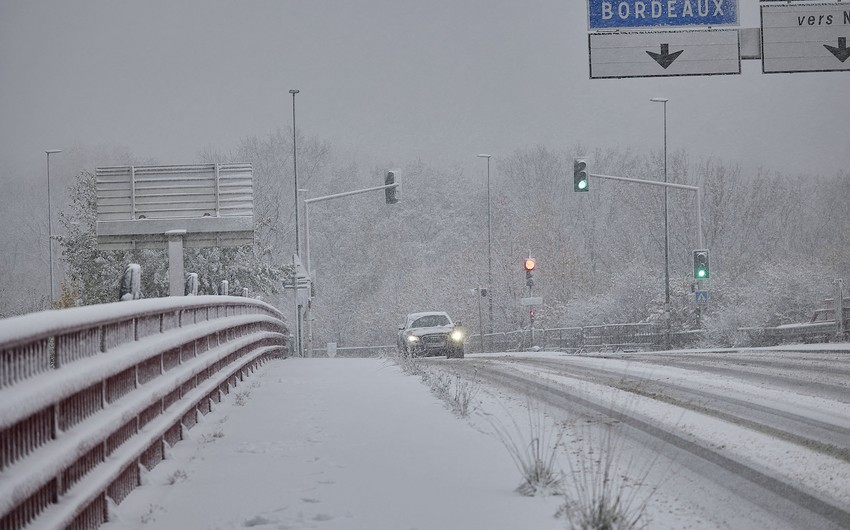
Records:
x=529, y=264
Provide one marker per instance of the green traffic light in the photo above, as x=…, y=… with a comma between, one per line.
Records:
x=580, y=175
x=701, y=268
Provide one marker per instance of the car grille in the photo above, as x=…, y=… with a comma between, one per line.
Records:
x=437, y=340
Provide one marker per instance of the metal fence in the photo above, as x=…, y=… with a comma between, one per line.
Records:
x=105, y=388
x=613, y=337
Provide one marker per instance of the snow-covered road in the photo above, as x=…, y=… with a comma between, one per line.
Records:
x=754, y=440
x=771, y=427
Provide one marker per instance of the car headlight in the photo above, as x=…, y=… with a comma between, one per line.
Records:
x=456, y=335
x=412, y=338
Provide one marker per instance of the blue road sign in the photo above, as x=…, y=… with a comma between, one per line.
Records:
x=701, y=297
x=615, y=14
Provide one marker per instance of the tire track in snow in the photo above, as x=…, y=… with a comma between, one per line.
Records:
x=826, y=438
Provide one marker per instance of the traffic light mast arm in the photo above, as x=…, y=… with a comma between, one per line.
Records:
x=348, y=193
x=308, y=202
x=666, y=185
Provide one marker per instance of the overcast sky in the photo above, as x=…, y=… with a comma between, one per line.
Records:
x=395, y=80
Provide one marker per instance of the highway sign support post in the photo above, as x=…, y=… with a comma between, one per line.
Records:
x=176, y=278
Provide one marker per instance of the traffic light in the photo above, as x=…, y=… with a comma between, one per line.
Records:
x=701, y=270
x=529, y=265
x=393, y=194
x=580, y=182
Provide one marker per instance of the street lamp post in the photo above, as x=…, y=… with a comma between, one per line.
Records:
x=666, y=226
x=295, y=172
x=297, y=240
x=489, y=250
x=50, y=225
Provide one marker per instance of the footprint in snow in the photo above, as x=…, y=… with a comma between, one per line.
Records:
x=257, y=520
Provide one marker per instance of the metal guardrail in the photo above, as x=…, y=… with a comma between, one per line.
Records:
x=574, y=339
x=824, y=331
x=90, y=394
x=641, y=336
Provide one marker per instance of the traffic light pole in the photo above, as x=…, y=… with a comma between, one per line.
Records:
x=307, y=202
x=666, y=185
x=480, y=318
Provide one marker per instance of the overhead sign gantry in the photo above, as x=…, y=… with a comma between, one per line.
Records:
x=701, y=49
x=805, y=37
x=618, y=14
x=662, y=38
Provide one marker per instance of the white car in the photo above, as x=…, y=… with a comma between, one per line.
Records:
x=430, y=333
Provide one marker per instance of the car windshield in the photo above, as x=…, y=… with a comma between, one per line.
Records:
x=430, y=321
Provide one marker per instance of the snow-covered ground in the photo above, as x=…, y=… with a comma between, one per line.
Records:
x=358, y=444
x=334, y=443
x=823, y=473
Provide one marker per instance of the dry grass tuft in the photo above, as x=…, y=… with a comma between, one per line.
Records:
x=534, y=451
